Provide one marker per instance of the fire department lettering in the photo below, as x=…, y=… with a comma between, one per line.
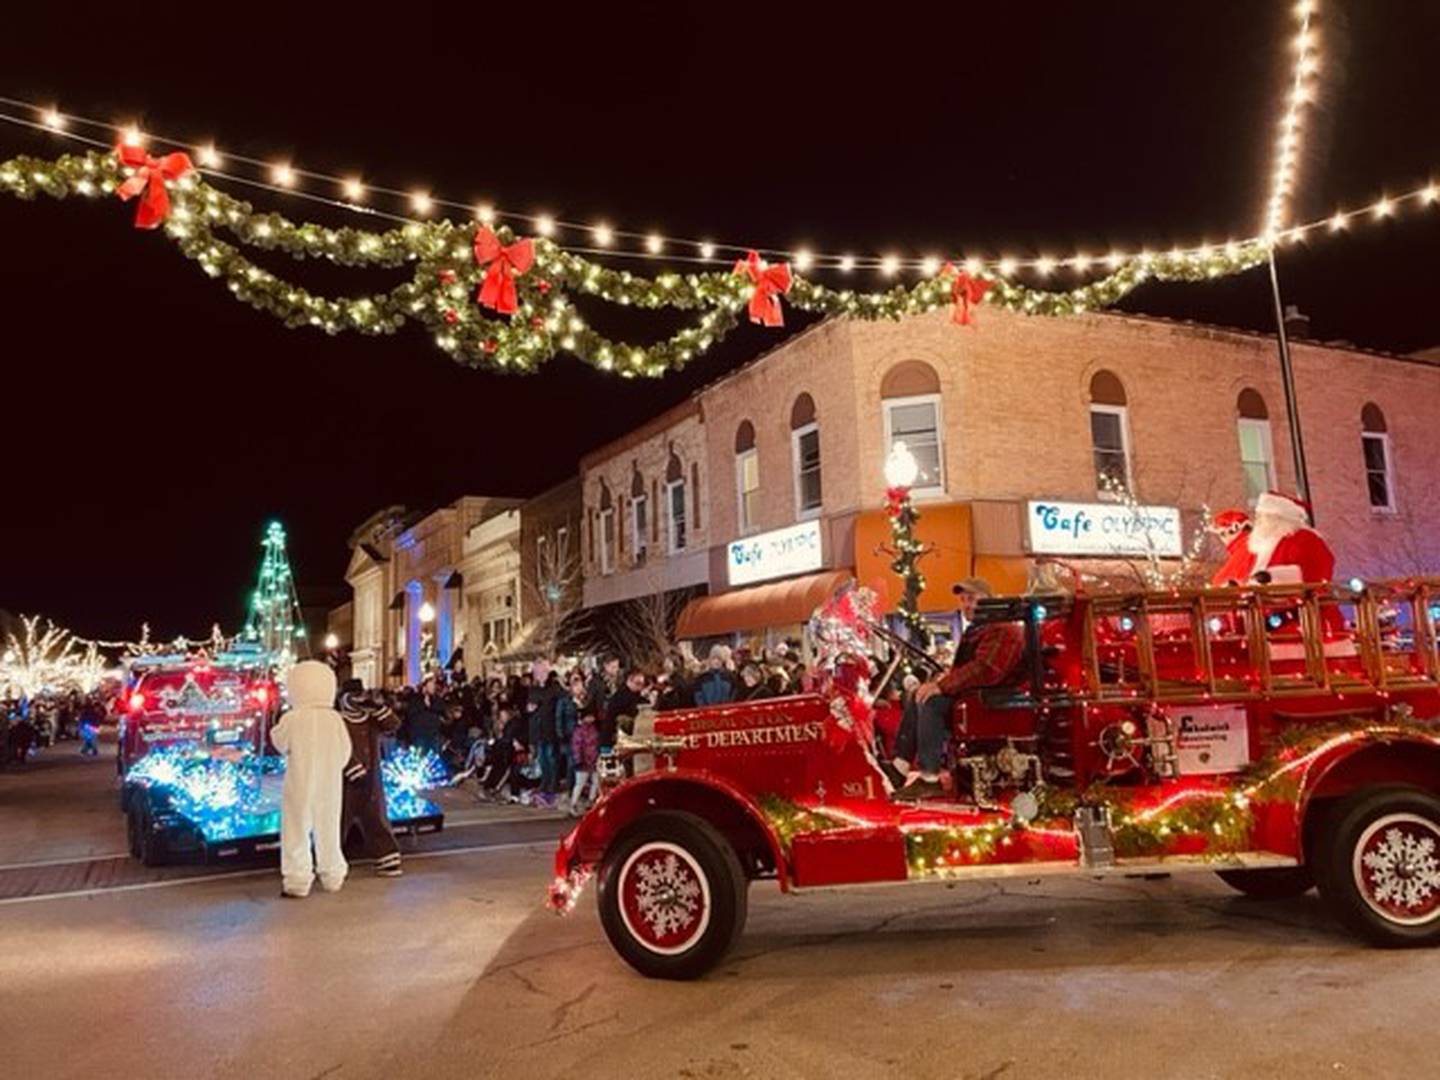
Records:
x=760, y=736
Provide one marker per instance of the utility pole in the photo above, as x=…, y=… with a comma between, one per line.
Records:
x=1287, y=378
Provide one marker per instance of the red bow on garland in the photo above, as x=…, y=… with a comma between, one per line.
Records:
x=895, y=500
x=964, y=291
x=497, y=291
x=770, y=283
x=150, y=176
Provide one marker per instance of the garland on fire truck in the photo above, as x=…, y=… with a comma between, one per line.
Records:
x=1209, y=820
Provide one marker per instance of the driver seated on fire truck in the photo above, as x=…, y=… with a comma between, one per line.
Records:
x=986, y=655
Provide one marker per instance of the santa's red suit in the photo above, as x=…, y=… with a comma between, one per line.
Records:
x=1233, y=528
x=1286, y=551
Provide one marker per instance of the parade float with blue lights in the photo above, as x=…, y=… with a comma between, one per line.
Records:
x=201, y=779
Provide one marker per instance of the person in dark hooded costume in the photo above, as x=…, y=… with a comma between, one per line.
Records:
x=367, y=720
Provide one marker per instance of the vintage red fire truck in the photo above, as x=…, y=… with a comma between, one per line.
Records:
x=1282, y=736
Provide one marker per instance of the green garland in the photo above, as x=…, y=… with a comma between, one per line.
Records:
x=788, y=819
x=439, y=294
x=1224, y=819
x=906, y=564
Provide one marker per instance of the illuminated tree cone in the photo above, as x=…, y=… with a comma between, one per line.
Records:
x=275, y=622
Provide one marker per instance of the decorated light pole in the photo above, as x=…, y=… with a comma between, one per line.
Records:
x=901, y=470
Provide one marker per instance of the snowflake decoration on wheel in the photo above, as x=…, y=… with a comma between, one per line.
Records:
x=1403, y=870
x=667, y=895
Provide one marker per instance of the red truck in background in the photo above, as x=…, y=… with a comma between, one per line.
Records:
x=1285, y=737
x=226, y=701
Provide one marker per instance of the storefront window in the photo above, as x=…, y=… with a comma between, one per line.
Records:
x=675, y=495
x=807, y=469
x=639, y=526
x=747, y=484
x=915, y=421
x=1379, y=469
x=607, y=540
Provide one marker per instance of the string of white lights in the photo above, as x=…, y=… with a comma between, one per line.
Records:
x=1287, y=148
x=1384, y=207
x=596, y=238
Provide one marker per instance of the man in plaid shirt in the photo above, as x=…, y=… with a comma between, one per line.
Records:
x=985, y=656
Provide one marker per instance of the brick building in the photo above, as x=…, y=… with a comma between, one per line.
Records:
x=765, y=487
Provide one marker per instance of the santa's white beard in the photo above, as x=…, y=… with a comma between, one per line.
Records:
x=1268, y=532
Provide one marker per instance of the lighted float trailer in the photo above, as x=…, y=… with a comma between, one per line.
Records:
x=1282, y=736
x=193, y=807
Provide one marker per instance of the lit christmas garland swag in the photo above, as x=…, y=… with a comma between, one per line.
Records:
x=1222, y=819
x=439, y=294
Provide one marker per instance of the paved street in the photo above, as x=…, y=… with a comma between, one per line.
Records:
x=456, y=970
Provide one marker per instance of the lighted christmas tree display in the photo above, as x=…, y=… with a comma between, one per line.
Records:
x=275, y=622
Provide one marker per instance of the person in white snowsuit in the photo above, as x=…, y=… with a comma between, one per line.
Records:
x=316, y=746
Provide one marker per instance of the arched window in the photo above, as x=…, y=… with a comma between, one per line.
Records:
x=1257, y=451
x=910, y=398
x=805, y=452
x=1110, y=434
x=607, y=529
x=675, y=502
x=747, y=476
x=1379, y=467
x=639, y=517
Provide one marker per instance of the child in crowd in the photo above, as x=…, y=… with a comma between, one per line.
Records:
x=585, y=751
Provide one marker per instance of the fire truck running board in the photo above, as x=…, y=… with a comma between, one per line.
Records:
x=1126, y=867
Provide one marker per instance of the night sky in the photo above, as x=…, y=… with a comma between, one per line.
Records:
x=152, y=425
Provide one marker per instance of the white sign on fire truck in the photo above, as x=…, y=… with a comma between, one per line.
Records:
x=1071, y=528
x=1210, y=738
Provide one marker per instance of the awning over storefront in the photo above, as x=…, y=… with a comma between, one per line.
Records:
x=943, y=528
x=781, y=603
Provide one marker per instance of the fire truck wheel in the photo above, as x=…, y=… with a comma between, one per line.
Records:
x=672, y=895
x=1277, y=883
x=1379, y=865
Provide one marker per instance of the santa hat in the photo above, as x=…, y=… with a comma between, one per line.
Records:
x=1285, y=507
x=1229, y=521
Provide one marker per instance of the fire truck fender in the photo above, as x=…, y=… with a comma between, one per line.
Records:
x=712, y=798
x=1368, y=759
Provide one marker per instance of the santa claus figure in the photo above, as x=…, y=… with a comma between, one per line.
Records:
x=1233, y=528
x=1284, y=548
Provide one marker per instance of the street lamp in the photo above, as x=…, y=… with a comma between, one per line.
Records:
x=427, y=612
x=901, y=468
x=332, y=642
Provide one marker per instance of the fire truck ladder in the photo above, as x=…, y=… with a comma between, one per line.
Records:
x=1261, y=641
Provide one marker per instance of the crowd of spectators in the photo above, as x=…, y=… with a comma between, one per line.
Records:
x=28, y=724
x=537, y=737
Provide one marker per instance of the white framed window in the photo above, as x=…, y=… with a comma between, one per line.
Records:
x=675, y=518
x=639, y=528
x=607, y=540
x=1257, y=457
x=805, y=446
x=1379, y=470
x=1110, y=440
x=917, y=422
x=747, y=488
